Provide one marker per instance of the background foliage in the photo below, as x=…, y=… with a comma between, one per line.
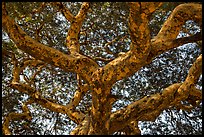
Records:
x=105, y=21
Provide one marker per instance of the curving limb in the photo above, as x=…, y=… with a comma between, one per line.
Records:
x=74, y=115
x=78, y=63
x=17, y=116
x=167, y=37
x=159, y=47
x=189, y=84
x=78, y=96
x=129, y=63
x=99, y=80
x=145, y=109
x=179, y=16
x=149, y=108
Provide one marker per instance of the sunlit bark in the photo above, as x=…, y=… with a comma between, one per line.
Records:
x=99, y=80
x=80, y=64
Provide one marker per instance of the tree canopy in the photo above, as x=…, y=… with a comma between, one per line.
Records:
x=101, y=68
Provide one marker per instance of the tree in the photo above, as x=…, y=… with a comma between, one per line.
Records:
x=80, y=73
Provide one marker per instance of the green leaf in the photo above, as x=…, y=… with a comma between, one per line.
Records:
x=28, y=19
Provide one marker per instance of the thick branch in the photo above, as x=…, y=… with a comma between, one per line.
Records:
x=194, y=73
x=76, y=24
x=83, y=11
x=75, y=63
x=178, y=17
x=129, y=63
x=149, y=108
x=138, y=26
x=121, y=67
x=159, y=47
x=166, y=38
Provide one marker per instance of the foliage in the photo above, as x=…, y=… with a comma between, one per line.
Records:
x=105, y=22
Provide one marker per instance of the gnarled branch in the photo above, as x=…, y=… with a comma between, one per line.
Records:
x=75, y=63
x=74, y=115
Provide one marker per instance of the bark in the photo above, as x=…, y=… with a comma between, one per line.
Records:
x=99, y=80
x=75, y=62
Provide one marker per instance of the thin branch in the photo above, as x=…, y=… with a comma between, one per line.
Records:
x=42, y=6
x=74, y=115
x=75, y=63
x=37, y=31
x=17, y=116
x=65, y=11
x=117, y=39
x=78, y=96
x=16, y=70
x=32, y=79
x=102, y=59
x=83, y=11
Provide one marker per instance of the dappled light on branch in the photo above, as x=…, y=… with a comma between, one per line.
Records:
x=101, y=68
